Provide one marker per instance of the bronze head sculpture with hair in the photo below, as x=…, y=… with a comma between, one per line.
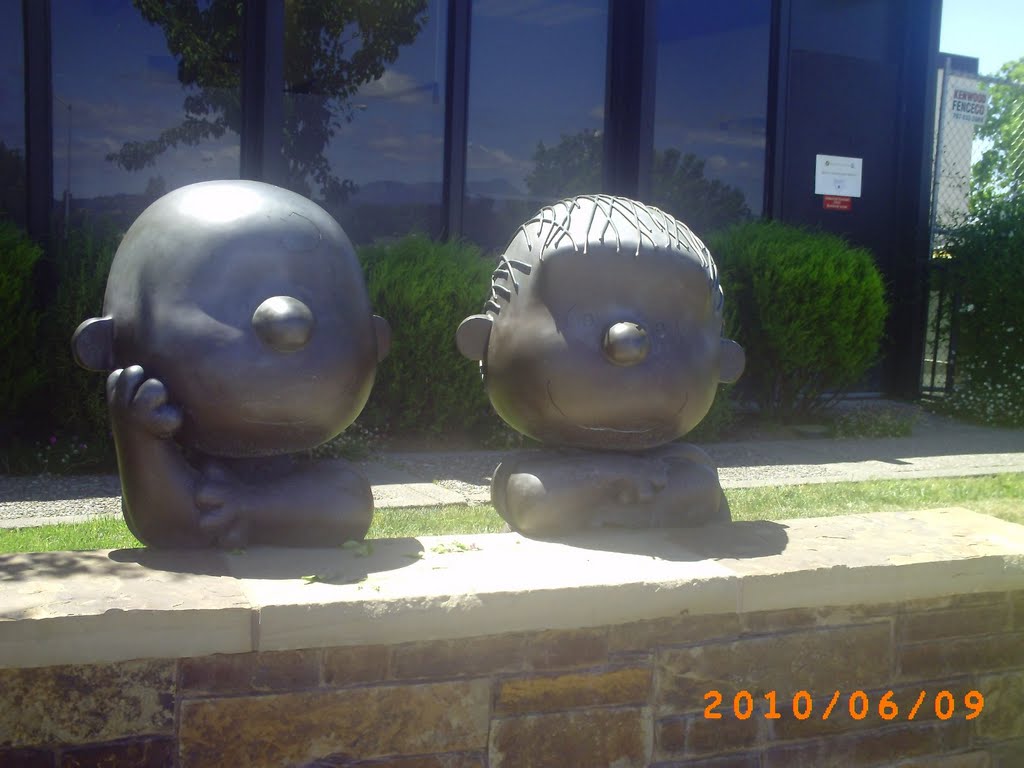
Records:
x=239, y=331
x=603, y=332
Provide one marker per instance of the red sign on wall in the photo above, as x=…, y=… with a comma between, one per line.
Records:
x=838, y=203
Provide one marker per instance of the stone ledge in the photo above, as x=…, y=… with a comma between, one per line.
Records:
x=77, y=608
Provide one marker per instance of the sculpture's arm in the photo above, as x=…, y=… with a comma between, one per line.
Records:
x=551, y=494
x=157, y=483
x=323, y=503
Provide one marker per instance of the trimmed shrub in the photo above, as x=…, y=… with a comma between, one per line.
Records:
x=808, y=308
x=20, y=371
x=79, y=403
x=424, y=289
x=987, y=269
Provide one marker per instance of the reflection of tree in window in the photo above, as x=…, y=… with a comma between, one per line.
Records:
x=333, y=48
x=678, y=183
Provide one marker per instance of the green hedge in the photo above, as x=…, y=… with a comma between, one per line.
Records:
x=424, y=289
x=20, y=369
x=82, y=264
x=808, y=308
x=987, y=269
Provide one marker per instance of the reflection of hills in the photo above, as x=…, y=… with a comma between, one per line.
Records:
x=377, y=209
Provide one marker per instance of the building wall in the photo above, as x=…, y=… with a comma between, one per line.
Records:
x=712, y=112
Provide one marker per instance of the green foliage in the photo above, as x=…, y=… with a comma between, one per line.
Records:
x=679, y=187
x=20, y=371
x=78, y=402
x=355, y=443
x=678, y=184
x=571, y=167
x=808, y=309
x=424, y=290
x=987, y=269
x=1000, y=170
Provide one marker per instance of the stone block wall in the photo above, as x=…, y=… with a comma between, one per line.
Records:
x=865, y=640
x=632, y=694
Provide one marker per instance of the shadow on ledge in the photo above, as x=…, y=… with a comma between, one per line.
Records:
x=719, y=541
x=334, y=565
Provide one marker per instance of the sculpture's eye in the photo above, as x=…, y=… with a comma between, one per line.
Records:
x=283, y=323
x=626, y=344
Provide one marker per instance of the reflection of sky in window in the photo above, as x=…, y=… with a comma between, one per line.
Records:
x=398, y=128
x=712, y=87
x=114, y=69
x=537, y=71
x=12, y=76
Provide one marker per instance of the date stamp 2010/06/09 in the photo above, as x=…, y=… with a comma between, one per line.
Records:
x=858, y=705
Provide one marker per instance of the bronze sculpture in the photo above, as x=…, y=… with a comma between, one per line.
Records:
x=239, y=331
x=602, y=338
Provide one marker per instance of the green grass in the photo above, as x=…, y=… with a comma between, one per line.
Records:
x=998, y=495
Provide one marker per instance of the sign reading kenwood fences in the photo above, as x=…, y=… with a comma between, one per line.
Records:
x=969, y=105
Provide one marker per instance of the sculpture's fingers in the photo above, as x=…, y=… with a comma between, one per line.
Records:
x=125, y=386
x=150, y=395
x=152, y=410
x=112, y=380
x=165, y=420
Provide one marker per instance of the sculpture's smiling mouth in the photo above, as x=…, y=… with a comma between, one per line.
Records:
x=613, y=430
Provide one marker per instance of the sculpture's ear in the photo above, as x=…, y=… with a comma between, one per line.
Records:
x=732, y=361
x=93, y=344
x=383, y=331
x=472, y=336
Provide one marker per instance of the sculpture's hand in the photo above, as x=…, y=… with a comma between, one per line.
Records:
x=138, y=403
x=157, y=483
x=221, y=501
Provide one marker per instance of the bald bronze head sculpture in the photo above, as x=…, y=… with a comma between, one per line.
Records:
x=238, y=328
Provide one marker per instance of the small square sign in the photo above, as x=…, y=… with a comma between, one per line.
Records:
x=835, y=175
x=838, y=203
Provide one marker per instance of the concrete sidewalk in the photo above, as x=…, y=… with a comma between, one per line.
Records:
x=939, y=447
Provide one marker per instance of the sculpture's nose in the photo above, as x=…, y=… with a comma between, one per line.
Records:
x=283, y=323
x=626, y=344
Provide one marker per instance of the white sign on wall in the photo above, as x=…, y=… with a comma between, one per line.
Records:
x=834, y=175
x=968, y=105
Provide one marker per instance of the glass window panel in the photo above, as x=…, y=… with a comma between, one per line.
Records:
x=12, y=113
x=536, y=110
x=710, y=110
x=364, y=111
x=144, y=102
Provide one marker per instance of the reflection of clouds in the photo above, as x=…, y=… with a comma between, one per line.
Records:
x=716, y=163
x=396, y=86
x=389, y=143
x=102, y=128
x=725, y=137
x=406, y=149
x=480, y=157
x=597, y=112
x=129, y=120
x=545, y=13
